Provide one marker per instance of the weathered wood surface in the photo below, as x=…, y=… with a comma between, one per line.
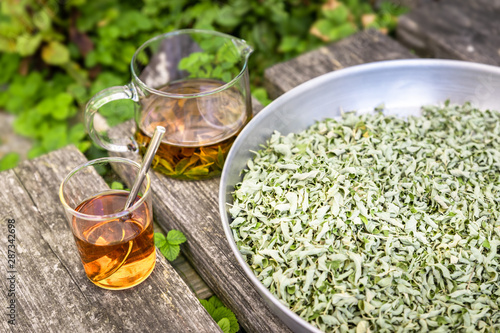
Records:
x=191, y=277
x=52, y=291
x=363, y=47
x=454, y=29
x=192, y=207
x=43, y=286
x=188, y=273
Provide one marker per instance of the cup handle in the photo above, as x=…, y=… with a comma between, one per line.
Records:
x=97, y=101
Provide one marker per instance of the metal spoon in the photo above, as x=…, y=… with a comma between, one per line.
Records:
x=146, y=163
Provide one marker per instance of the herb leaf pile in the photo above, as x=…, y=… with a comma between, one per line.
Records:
x=378, y=223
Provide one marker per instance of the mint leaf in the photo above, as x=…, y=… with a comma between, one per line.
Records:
x=117, y=186
x=159, y=240
x=171, y=252
x=220, y=314
x=175, y=237
x=216, y=302
x=208, y=306
x=224, y=325
x=77, y=133
x=27, y=44
x=56, y=137
x=224, y=312
x=55, y=53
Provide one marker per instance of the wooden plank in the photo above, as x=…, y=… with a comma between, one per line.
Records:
x=186, y=271
x=454, y=29
x=42, y=285
x=162, y=303
x=191, y=277
x=363, y=47
x=192, y=207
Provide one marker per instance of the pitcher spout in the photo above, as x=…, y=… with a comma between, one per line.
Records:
x=244, y=49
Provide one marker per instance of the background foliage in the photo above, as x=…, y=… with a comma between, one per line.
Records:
x=56, y=54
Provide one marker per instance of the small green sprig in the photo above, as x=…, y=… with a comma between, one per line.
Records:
x=223, y=316
x=117, y=185
x=169, y=246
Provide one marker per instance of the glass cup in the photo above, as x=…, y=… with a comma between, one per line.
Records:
x=116, y=246
x=194, y=83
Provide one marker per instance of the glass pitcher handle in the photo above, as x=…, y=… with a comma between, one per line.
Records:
x=96, y=102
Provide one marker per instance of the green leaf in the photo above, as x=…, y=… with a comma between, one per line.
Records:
x=117, y=186
x=159, y=239
x=216, y=302
x=78, y=92
x=338, y=15
x=168, y=250
x=60, y=107
x=175, y=237
x=55, y=53
x=201, y=170
x=9, y=161
x=56, y=137
x=166, y=165
x=77, y=133
x=9, y=63
x=261, y=95
x=224, y=325
x=36, y=151
x=226, y=76
x=223, y=312
x=63, y=106
x=288, y=43
x=42, y=20
x=25, y=91
x=105, y=80
x=227, y=18
x=208, y=306
x=171, y=252
x=29, y=123
x=84, y=146
x=118, y=111
x=27, y=44
x=219, y=312
x=191, y=62
x=181, y=166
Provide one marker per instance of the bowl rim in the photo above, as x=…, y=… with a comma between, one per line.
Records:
x=301, y=88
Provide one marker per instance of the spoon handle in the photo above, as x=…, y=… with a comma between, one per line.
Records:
x=146, y=163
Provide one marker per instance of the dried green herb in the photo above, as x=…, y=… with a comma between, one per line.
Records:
x=377, y=223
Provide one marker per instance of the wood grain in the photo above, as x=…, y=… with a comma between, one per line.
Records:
x=188, y=274
x=162, y=303
x=363, y=47
x=43, y=284
x=454, y=29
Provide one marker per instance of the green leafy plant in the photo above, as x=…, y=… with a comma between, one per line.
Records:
x=169, y=246
x=117, y=185
x=9, y=161
x=223, y=316
x=55, y=55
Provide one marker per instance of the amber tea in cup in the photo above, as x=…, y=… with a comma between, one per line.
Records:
x=116, y=246
x=195, y=84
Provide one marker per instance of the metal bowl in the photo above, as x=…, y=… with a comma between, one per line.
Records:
x=402, y=85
